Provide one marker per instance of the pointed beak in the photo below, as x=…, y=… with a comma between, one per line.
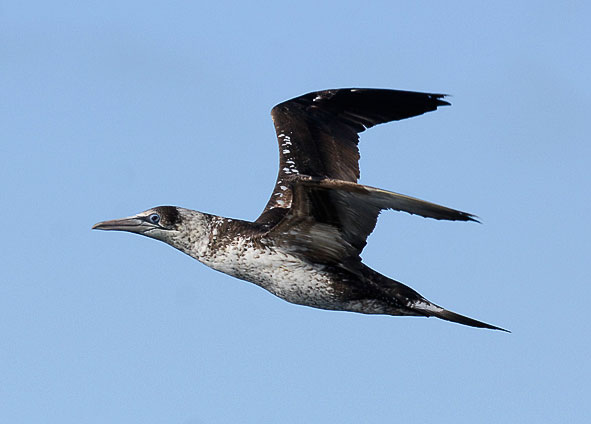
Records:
x=132, y=224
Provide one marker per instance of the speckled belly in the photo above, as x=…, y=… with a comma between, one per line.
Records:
x=284, y=275
x=289, y=278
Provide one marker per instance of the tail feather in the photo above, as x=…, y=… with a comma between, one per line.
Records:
x=430, y=309
x=415, y=304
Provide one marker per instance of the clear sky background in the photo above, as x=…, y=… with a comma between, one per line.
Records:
x=110, y=107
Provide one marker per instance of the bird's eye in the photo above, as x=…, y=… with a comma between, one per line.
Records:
x=154, y=218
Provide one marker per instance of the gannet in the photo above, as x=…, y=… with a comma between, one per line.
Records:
x=305, y=246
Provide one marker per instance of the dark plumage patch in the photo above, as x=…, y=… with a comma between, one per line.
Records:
x=169, y=214
x=271, y=217
x=318, y=132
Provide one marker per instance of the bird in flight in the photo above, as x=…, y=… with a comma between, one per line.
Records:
x=305, y=247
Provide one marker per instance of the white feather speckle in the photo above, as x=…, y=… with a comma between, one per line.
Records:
x=284, y=275
x=260, y=260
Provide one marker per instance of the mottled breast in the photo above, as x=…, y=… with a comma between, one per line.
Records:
x=286, y=276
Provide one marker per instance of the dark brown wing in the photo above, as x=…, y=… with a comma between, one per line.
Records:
x=318, y=132
x=329, y=220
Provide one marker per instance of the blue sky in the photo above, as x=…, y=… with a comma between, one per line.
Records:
x=109, y=108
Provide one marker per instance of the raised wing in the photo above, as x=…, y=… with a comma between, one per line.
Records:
x=329, y=220
x=318, y=132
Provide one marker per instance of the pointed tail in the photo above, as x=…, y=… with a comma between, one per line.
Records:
x=415, y=304
x=429, y=309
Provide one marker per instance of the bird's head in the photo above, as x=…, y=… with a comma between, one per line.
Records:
x=179, y=227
